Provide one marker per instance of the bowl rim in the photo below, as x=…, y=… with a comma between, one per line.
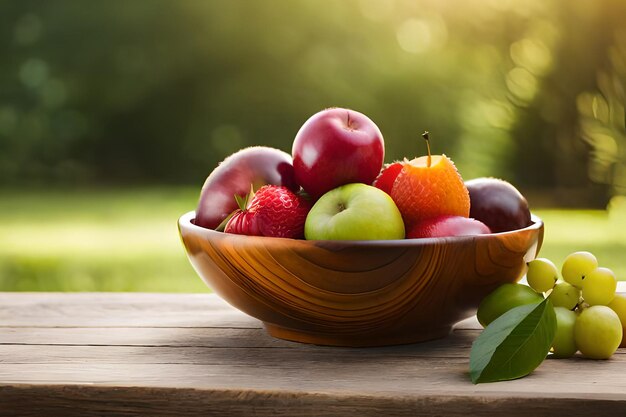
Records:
x=186, y=222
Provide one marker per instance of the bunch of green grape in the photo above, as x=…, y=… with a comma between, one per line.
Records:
x=590, y=315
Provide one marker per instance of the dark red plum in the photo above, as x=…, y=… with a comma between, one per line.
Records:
x=498, y=204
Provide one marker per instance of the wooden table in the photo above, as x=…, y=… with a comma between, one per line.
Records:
x=192, y=354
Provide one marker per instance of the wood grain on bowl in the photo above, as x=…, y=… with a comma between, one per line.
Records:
x=366, y=293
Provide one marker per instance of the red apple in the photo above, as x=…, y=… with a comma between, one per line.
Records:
x=443, y=226
x=336, y=147
x=498, y=204
x=256, y=166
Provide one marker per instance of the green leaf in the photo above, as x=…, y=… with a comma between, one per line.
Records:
x=514, y=344
x=222, y=226
x=244, y=201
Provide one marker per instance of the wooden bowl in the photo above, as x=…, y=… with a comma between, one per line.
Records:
x=358, y=293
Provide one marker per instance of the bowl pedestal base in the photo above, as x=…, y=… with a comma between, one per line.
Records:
x=348, y=340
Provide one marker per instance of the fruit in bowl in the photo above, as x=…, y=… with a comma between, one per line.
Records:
x=336, y=147
x=428, y=187
x=443, y=226
x=498, y=204
x=354, y=280
x=272, y=211
x=388, y=175
x=346, y=213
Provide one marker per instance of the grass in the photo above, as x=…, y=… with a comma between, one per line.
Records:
x=126, y=240
x=99, y=240
x=596, y=231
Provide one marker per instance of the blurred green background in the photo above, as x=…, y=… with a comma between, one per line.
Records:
x=113, y=113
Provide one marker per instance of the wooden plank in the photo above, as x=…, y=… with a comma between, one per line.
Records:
x=25, y=400
x=131, y=310
x=87, y=401
x=119, y=310
x=390, y=371
x=127, y=310
x=141, y=336
x=392, y=378
x=169, y=336
x=453, y=347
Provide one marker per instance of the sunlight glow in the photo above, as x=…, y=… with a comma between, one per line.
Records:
x=417, y=36
x=521, y=83
x=531, y=54
x=377, y=10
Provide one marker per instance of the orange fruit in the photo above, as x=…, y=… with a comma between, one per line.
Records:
x=421, y=191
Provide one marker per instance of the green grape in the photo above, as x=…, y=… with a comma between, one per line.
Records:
x=564, y=345
x=619, y=306
x=565, y=295
x=576, y=266
x=598, y=332
x=541, y=275
x=599, y=286
x=504, y=298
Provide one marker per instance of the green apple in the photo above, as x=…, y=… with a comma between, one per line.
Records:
x=504, y=298
x=354, y=212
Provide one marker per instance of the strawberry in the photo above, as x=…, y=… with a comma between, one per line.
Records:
x=272, y=211
x=387, y=176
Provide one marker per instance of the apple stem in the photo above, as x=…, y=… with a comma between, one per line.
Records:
x=427, y=139
x=349, y=121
